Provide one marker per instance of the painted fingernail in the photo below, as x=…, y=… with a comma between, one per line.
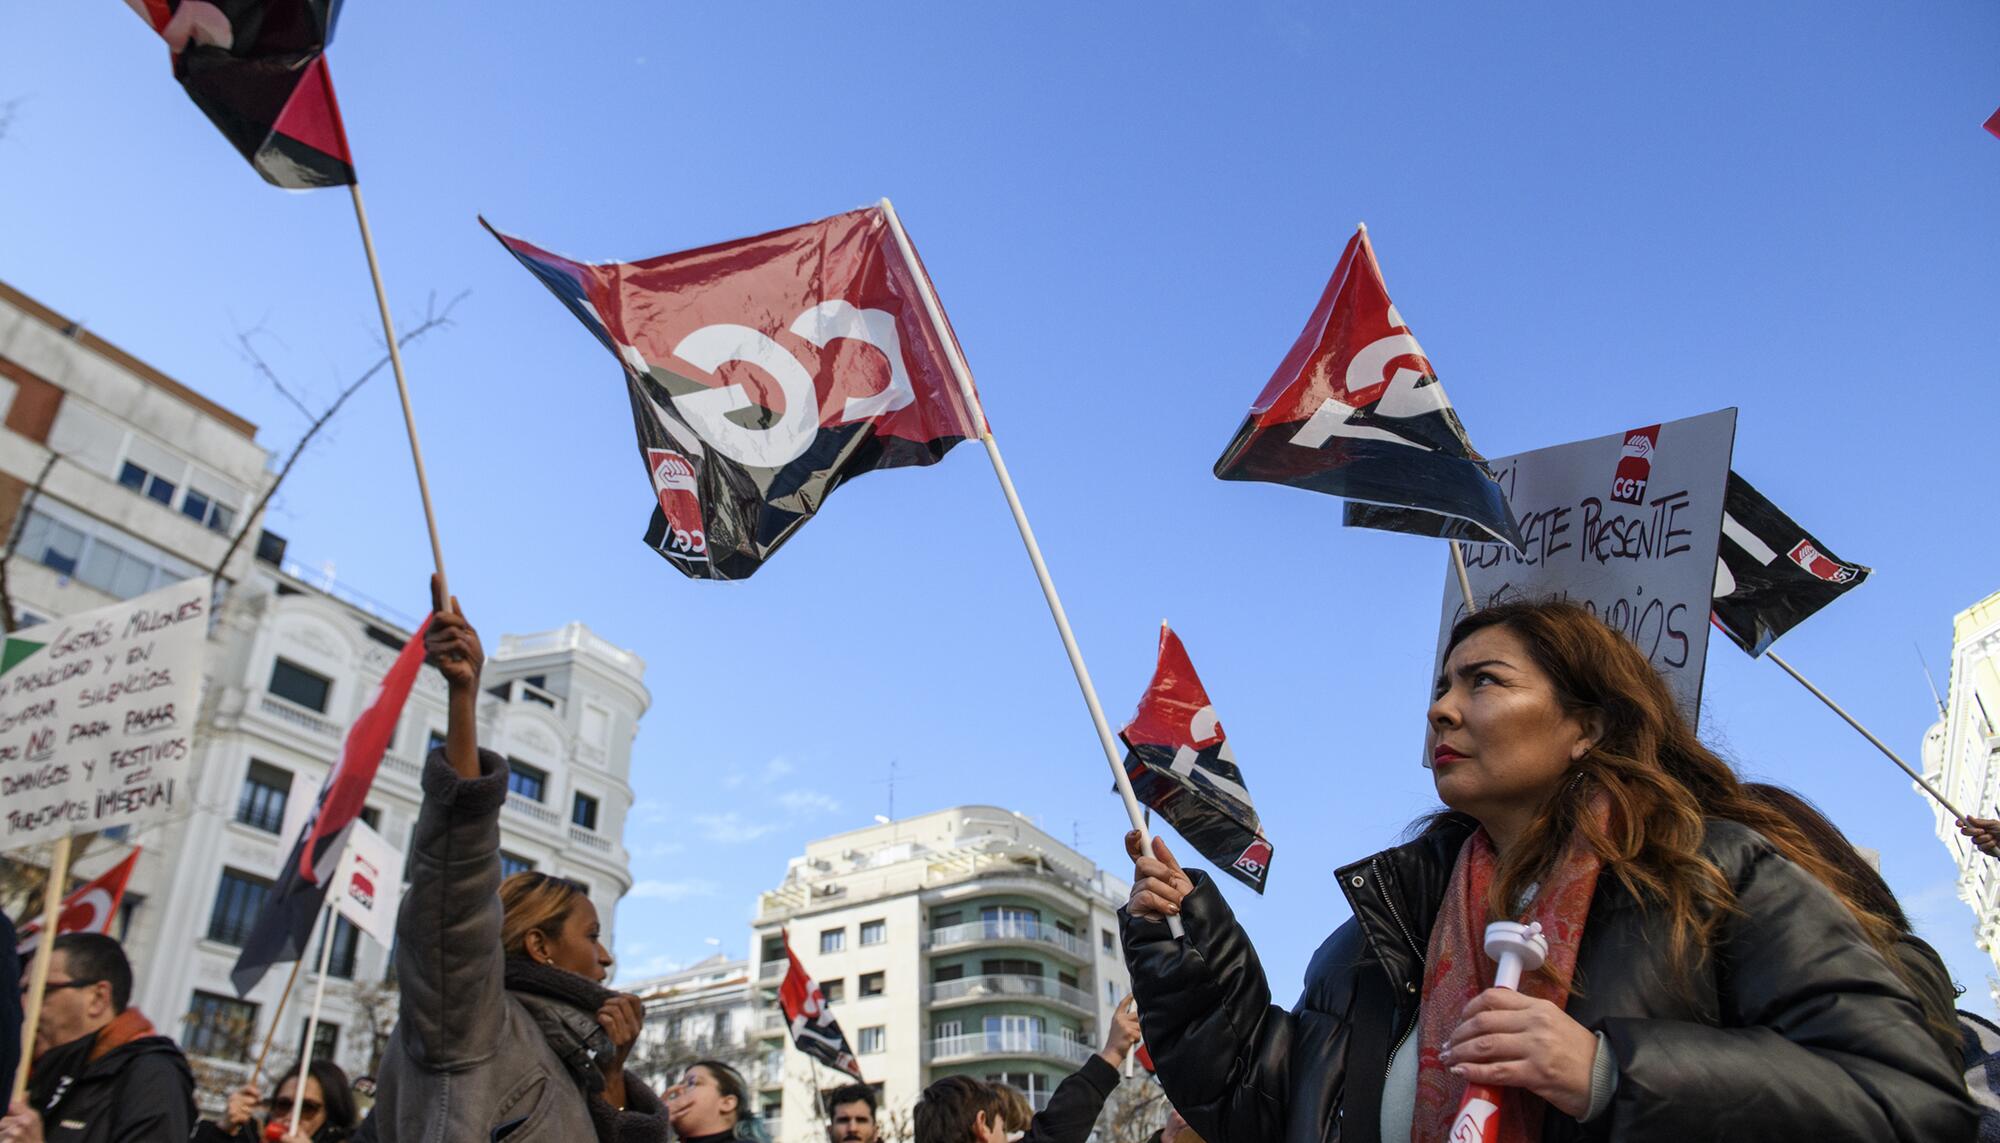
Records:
x=1459, y=1071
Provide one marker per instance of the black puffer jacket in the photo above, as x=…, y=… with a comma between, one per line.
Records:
x=1794, y=1029
x=140, y=1090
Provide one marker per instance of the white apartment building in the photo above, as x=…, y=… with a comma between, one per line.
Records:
x=702, y=1011
x=965, y=941
x=1962, y=758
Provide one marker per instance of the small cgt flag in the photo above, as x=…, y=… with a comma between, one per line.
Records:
x=1180, y=764
x=1770, y=574
x=1355, y=410
x=91, y=908
x=257, y=69
x=1993, y=124
x=814, y=1029
x=764, y=373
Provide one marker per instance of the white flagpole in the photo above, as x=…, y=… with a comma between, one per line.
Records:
x=1879, y=744
x=312, y=1022
x=1464, y=580
x=963, y=375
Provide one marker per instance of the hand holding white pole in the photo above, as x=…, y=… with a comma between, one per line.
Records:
x=1517, y=948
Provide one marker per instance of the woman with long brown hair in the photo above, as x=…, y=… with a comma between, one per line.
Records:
x=1703, y=979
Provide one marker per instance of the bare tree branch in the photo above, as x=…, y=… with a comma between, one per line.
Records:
x=434, y=318
x=263, y=369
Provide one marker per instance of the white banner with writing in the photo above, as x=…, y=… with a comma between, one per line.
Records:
x=97, y=715
x=1626, y=525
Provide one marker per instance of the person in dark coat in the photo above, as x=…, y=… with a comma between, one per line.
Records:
x=1704, y=982
x=101, y=1073
x=10, y=1000
x=504, y=1029
x=326, y=1111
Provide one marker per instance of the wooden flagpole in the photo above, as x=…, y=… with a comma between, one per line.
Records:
x=402, y=387
x=1879, y=744
x=38, y=976
x=963, y=374
x=258, y=1068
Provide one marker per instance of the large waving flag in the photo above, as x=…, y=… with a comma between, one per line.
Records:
x=1355, y=410
x=257, y=69
x=1770, y=574
x=765, y=372
x=813, y=1027
x=1180, y=764
x=285, y=925
x=90, y=908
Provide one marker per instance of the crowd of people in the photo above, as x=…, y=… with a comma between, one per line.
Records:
x=1723, y=965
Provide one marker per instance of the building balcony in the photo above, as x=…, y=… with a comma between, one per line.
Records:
x=994, y=1045
x=1033, y=934
x=1011, y=986
x=295, y=715
x=772, y=969
x=532, y=810
x=589, y=839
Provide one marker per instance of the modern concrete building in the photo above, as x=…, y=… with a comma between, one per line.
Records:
x=1962, y=759
x=961, y=941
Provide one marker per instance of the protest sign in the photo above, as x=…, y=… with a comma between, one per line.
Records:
x=1628, y=526
x=368, y=884
x=97, y=714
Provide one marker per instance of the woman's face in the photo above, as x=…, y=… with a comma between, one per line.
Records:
x=696, y=1105
x=1500, y=741
x=575, y=948
x=311, y=1117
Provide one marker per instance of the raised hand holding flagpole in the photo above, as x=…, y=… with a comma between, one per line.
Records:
x=963, y=375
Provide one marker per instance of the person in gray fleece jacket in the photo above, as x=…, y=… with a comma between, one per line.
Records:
x=504, y=1030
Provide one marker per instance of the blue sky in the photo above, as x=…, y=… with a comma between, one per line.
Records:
x=1593, y=218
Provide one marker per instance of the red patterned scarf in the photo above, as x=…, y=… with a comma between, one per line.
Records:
x=1459, y=970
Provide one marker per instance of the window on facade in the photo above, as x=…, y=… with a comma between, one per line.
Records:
x=383, y=638
x=1010, y=966
x=340, y=962
x=148, y=484
x=945, y=972
x=872, y=983
x=834, y=991
x=373, y=818
x=434, y=743
x=871, y=1040
x=220, y=1026
x=1110, y=942
x=946, y=918
x=526, y=780
x=874, y=932
x=722, y=1027
x=946, y=1029
x=583, y=811
x=512, y=863
x=774, y=948
x=113, y=570
x=261, y=802
x=326, y=1037
x=237, y=902
x=1065, y=927
x=55, y=546
x=1067, y=978
x=294, y=683
x=195, y=506
x=833, y=940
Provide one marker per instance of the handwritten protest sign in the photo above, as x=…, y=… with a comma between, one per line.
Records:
x=1626, y=525
x=97, y=714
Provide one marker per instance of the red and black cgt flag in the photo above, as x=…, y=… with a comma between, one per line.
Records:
x=1770, y=574
x=813, y=1027
x=1355, y=410
x=763, y=374
x=257, y=69
x=1180, y=764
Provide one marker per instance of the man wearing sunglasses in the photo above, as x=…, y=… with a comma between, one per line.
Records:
x=101, y=1072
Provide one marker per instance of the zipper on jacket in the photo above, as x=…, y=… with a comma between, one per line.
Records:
x=1375, y=863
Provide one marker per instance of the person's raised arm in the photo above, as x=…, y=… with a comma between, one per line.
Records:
x=448, y=958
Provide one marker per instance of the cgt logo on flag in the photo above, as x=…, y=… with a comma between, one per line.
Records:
x=1255, y=861
x=680, y=502
x=1635, y=465
x=1825, y=567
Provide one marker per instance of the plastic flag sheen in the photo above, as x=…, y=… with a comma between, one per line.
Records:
x=764, y=373
x=1355, y=410
x=1180, y=764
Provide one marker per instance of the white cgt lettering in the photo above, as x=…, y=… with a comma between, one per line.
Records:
x=1405, y=397
x=774, y=446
